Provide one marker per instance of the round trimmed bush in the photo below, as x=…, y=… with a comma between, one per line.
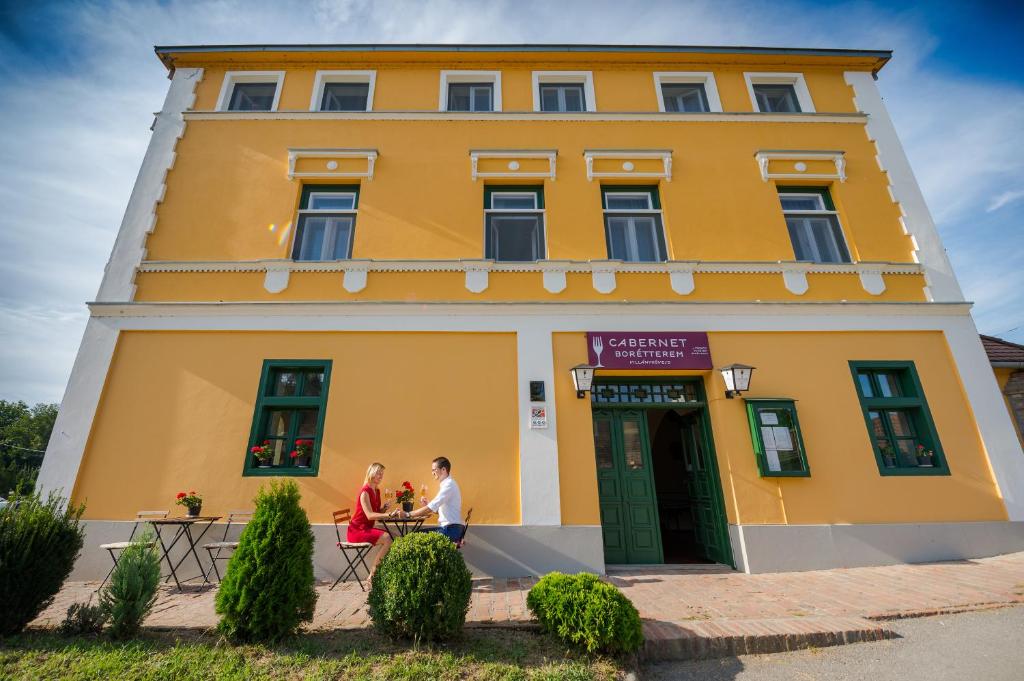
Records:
x=268, y=589
x=583, y=611
x=39, y=541
x=421, y=589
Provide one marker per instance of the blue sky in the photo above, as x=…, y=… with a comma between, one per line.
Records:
x=80, y=83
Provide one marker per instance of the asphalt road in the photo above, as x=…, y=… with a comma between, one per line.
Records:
x=977, y=646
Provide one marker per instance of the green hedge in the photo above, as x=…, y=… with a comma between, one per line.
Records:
x=39, y=541
x=268, y=589
x=421, y=589
x=583, y=611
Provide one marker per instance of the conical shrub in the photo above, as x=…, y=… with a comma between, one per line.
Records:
x=268, y=589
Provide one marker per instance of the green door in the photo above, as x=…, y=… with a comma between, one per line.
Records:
x=705, y=496
x=625, y=484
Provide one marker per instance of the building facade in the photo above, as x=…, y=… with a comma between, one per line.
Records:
x=401, y=252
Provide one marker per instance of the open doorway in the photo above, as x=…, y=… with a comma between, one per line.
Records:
x=675, y=462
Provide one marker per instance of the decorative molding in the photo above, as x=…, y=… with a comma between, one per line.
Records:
x=872, y=281
x=513, y=156
x=681, y=277
x=554, y=272
x=331, y=155
x=603, y=275
x=574, y=266
x=276, y=279
x=629, y=155
x=796, y=280
x=916, y=220
x=764, y=159
x=477, y=274
x=356, y=272
x=140, y=216
x=729, y=117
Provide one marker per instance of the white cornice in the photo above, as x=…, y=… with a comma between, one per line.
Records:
x=733, y=117
x=574, y=266
x=471, y=310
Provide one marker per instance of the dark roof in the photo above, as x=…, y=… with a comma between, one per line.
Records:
x=999, y=350
x=164, y=51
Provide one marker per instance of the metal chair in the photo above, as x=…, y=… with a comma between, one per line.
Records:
x=241, y=517
x=465, y=528
x=140, y=517
x=359, y=550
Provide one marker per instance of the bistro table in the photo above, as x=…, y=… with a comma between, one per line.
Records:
x=402, y=526
x=183, y=528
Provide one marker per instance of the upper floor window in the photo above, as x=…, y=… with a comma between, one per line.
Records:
x=470, y=91
x=899, y=422
x=632, y=223
x=250, y=91
x=514, y=219
x=563, y=91
x=813, y=224
x=326, y=222
x=779, y=92
x=689, y=97
x=343, y=91
x=470, y=97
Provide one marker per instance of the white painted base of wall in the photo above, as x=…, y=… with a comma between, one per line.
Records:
x=492, y=550
x=793, y=548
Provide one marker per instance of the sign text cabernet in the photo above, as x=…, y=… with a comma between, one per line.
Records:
x=648, y=350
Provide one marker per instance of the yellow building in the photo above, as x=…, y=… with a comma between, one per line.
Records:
x=402, y=251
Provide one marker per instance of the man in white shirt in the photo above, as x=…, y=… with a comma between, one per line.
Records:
x=447, y=504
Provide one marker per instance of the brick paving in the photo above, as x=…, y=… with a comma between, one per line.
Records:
x=689, y=613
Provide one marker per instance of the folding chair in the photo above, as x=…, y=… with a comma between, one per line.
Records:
x=140, y=517
x=242, y=517
x=360, y=550
x=465, y=529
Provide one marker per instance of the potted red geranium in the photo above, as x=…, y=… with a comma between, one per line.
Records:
x=925, y=457
x=262, y=454
x=404, y=496
x=192, y=501
x=302, y=454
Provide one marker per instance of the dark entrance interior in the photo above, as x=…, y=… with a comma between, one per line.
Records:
x=676, y=441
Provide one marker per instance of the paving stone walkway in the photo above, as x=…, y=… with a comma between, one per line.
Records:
x=689, y=612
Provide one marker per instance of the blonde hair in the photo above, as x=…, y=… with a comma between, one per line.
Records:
x=372, y=471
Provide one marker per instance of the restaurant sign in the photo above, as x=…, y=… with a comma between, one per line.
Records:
x=648, y=350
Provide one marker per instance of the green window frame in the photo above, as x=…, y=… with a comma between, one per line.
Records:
x=897, y=417
x=291, y=405
x=773, y=422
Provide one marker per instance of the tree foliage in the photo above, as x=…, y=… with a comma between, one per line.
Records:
x=39, y=541
x=24, y=434
x=268, y=589
x=421, y=589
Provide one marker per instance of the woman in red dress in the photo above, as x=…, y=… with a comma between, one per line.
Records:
x=368, y=512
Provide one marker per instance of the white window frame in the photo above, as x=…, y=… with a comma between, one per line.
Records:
x=803, y=95
x=232, y=78
x=823, y=211
x=586, y=78
x=705, y=78
x=542, y=212
x=627, y=212
x=447, y=77
x=324, y=77
x=329, y=238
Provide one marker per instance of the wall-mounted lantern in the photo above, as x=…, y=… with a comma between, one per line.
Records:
x=583, y=379
x=737, y=379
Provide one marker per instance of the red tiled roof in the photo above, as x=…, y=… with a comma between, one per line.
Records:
x=999, y=350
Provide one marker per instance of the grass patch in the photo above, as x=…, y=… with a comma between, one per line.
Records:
x=480, y=654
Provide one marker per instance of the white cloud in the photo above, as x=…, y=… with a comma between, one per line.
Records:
x=1004, y=199
x=75, y=129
